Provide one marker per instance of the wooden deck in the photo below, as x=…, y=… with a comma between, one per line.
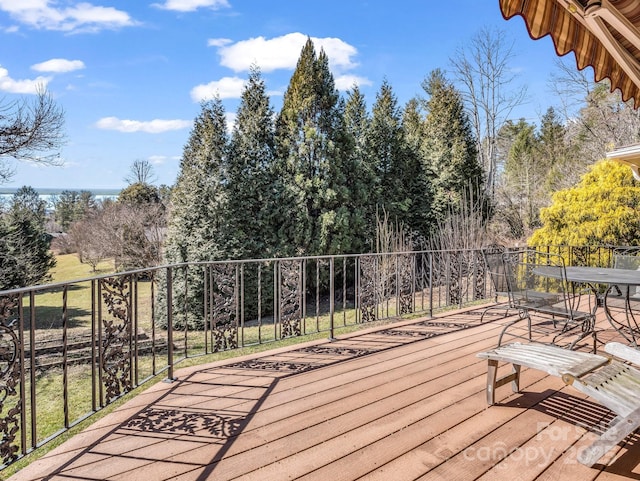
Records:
x=402, y=402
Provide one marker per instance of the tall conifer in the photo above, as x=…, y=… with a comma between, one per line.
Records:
x=362, y=175
x=312, y=145
x=249, y=184
x=24, y=245
x=197, y=220
x=400, y=187
x=449, y=148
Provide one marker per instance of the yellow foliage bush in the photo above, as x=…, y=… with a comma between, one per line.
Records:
x=603, y=208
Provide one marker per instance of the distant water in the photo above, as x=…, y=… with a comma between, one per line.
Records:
x=49, y=194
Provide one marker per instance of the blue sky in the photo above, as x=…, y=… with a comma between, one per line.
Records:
x=130, y=75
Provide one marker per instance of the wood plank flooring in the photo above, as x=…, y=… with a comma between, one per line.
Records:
x=401, y=402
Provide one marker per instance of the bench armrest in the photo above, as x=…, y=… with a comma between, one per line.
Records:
x=623, y=351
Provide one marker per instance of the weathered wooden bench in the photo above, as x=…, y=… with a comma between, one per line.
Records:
x=611, y=382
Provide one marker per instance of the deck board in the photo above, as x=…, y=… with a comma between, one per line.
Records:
x=401, y=402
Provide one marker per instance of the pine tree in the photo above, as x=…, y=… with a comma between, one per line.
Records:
x=24, y=244
x=525, y=175
x=555, y=153
x=420, y=216
x=197, y=220
x=362, y=171
x=249, y=184
x=71, y=206
x=399, y=187
x=312, y=145
x=449, y=149
x=357, y=119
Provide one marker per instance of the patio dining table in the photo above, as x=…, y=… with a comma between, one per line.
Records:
x=612, y=287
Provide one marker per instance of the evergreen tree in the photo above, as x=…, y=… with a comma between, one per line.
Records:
x=413, y=124
x=249, y=186
x=525, y=175
x=528, y=173
x=555, y=154
x=139, y=193
x=361, y=170
x=198, y=217
x=399, y=187
x=24, y=244
x=420, y=216
x=313, y=148
x=71, y=206
x=357, y=119
x=449, y=149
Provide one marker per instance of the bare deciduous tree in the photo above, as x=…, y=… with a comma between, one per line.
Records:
x=30, y=131
x=487, y=84
x=140, y=172
x=130, y=235
x=597, y=119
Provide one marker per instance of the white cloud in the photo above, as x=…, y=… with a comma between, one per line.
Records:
x=155, y=126
x=226, y=88
x=191, y=5
x=80, y=16
x=7, y=84
x=218, y=42
x=283, y=52
x=58, y=65
x=345, y=82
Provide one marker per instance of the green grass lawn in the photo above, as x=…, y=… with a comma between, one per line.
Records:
x=69, y=268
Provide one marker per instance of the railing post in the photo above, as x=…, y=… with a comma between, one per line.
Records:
x=430, y=284
x=331, y=297
x=397, y=267
x=65, y=350
x=22, y=402
x=170, y=377
x=32, y=369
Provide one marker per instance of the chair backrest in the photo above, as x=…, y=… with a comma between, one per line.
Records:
x=626, y=320
x=626, y=261
x=625, y=257
x=538, y=281
x=496, y=270
x=631, y=262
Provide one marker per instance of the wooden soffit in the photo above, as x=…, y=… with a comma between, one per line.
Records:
x=603, y=34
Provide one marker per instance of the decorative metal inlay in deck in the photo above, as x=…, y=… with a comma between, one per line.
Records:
x=453, y=326
x=297, y=367
x=409, y=333
x=336, y=351
x=443, y=328
x=276, y=366
x=175, y=421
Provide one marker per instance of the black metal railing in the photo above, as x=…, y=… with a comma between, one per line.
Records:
x=69, y=349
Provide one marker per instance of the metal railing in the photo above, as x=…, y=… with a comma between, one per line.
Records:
x=69, y=349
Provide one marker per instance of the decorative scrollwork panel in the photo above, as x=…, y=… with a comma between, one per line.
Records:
x=10, y=378
x=291, y=298
x=368, y=294
x=405, y=283
x=116, y=342
x=224, y=322
x=449, y=275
